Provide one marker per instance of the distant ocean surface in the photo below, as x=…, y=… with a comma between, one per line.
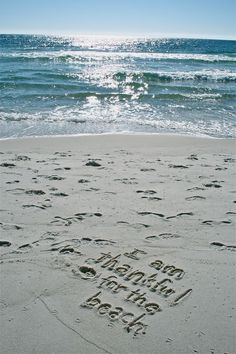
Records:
x=59, y=86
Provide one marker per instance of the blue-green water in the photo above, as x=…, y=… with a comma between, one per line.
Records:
x=57, y=85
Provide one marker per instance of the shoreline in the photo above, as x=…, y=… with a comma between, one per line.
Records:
x=144, y=143
x=119, y=134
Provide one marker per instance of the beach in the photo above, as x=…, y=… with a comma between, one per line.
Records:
x=117, y=243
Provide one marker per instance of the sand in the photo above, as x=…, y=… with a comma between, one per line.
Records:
x=117, y=244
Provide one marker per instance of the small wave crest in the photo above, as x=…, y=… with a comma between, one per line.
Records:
x=203, y=75
x=122, y=97
x=73, y=56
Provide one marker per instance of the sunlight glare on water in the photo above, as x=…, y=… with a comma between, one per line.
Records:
x=95, y=84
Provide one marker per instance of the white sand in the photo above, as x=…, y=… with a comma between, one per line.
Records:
x=169, y=197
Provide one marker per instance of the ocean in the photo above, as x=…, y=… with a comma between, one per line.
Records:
x=84, y=85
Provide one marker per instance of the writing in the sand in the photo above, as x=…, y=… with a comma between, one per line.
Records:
x=160, y=284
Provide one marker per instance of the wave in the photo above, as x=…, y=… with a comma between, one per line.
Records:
x=84, y=56
x=201, y=75
x=109, y=98
x=126, y=82
x=67, y=121
x=16, y=84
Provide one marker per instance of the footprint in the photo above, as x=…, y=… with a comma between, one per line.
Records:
x=10, y=226
x=33, y=206
x=192, y=157
x=206, y=165
x=103, y=242
x=213, y=222
x=143, y=213
x=85, y=272
x=50, y=235
x=169, y=235
x=147, y=169
x=151, y=198
x=68, y=249
x=91, y=189
x=60, y=221
x=196, y=189
x=53, y=189
x=195, y=197
x=208, y=222
x=40, y=161
x=16, y=190
x=152, y=237
x=62, y=154
x=126, y=180
x=88, y=214
x=22, y=158
x=35, y=191
x=215, y=185
x=180, y=214
x=12, y=182
x=148, y=191
x=218, y=168
x=25, y=247
x=93, y=163
x=177, y=166
x=5, y=243
x=7, y=164
x=60, y=194
x=223, y=246
x=83, y=181
x=139, y=224
x=54, y=178
x=229, y=159
x=165, y=235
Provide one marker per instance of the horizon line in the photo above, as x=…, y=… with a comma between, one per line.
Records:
x=119, y=35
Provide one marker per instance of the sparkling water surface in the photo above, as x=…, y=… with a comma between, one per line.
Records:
x=59, y=86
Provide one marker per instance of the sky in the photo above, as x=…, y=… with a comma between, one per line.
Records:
x=161, y=18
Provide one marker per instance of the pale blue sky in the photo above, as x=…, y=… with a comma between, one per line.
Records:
x=186, y=18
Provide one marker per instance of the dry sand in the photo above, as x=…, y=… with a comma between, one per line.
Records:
x=144, y=222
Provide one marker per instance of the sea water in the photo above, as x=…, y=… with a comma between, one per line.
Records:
x=83, y=84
